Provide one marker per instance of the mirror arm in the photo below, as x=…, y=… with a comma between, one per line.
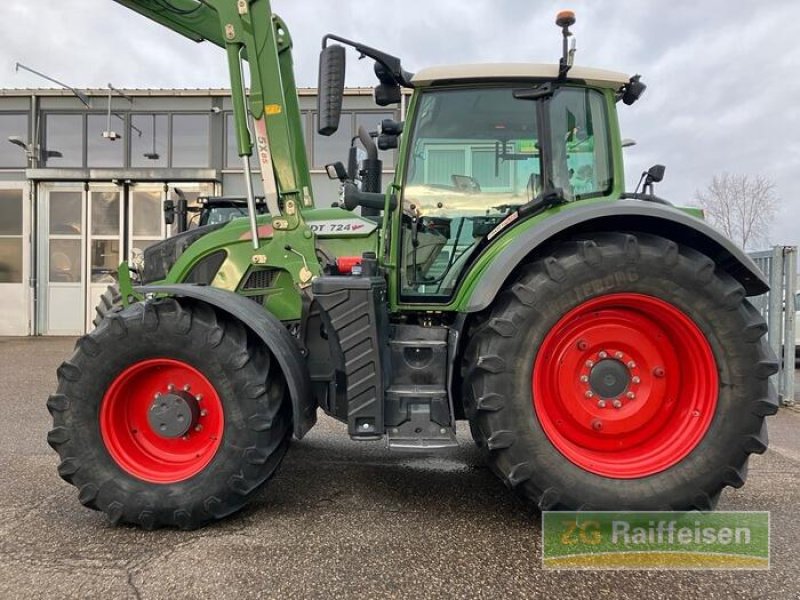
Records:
x=389, y=62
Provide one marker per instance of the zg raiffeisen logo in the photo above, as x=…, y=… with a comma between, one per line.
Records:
x=655, y=540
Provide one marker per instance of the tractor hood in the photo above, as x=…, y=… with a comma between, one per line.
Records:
x=325, y=223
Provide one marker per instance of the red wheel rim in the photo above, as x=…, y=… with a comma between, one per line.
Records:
x=670, y=385
x=131, y=440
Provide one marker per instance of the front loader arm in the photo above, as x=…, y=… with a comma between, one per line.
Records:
x=248, y=30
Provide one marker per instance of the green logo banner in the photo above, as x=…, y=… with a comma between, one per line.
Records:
x=655, y=540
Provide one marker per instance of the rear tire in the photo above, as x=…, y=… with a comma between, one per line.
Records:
x=641, y=295
x=237, y=437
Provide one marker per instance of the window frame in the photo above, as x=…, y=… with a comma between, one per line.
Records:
x=25, y=138
x=209, y=138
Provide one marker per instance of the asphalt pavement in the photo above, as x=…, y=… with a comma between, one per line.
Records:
x=341, y=519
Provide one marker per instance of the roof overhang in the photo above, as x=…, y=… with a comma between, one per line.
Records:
x=520, y=71
x=141, y=175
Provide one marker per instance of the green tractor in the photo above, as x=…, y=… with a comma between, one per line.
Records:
x=599, y=343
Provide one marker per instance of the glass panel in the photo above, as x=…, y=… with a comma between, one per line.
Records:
x=371, y=121
x=105, y=260
x=13, y=125
x=65, y=212
x=105, y=213
x=329, y=149
x=65, y=261
x=474, y=157
x=10, y=212
x=147, y=213
x=149, y=148
x=105, y=151
x=443, y=164
x=491, y=175
x=63, y=145
x=581, y=158
x=11, y=260
x=232, y=158
x=190, y=143
x=142, y=244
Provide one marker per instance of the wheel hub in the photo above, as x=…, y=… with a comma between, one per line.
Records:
x=609, y=378
x=173, y=414
x=625, y=385
x=162, y=420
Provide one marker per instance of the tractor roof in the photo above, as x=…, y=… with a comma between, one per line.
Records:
x=483, y=72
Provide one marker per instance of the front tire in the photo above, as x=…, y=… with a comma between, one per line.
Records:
x=168, y=414
x=621, y=372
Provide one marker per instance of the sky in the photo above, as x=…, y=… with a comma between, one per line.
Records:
x=723, y=87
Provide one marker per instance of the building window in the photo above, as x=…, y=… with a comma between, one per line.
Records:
x=232, y=160
x=190, y=141
x=10, y=236
x=332, y=148
x=13, y=125
x=329, y=149
x=63, y=143
x=149, y=135
x=103, y=147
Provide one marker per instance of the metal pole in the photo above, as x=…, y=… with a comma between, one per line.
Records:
x=776, y=307
x=251, y=201
x=787, y=374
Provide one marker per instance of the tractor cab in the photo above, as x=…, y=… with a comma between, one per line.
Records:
x=491, y=143
x=484, y=146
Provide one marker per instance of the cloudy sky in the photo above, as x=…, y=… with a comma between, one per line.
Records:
x=723, y=87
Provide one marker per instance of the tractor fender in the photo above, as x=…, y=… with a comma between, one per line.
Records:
x=274, y=334
x=623, y=215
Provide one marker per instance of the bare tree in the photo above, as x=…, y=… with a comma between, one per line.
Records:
x=741, y=206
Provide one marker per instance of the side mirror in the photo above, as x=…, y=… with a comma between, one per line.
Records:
x=656, y=173
x=336, y=171
x=331, y=88
x=633, y=90
x=169, y=212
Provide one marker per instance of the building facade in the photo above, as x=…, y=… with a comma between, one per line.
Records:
x=80, y=186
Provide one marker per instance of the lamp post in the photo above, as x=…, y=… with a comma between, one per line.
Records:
x=34, y=152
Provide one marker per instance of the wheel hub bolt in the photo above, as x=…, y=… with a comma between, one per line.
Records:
x=589, y=394
x=631, y=365
x=590, y=363
x=603, y=354
x=617, y=404
x=601, y=404
x=198, y=428
x=635, y=379
x=199, y=397
x=631, y=395
x=186, y=388
x=170, y=387
x=584, y=378
x=618, y=355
